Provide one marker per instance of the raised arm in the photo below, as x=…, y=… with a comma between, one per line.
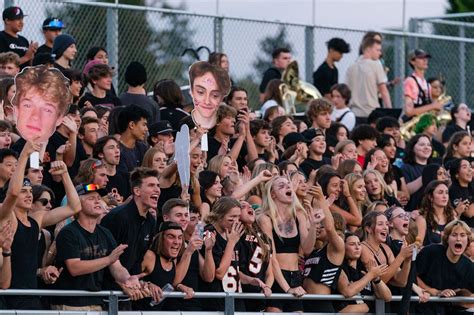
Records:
x=207, y=267
x=182, y=267
x=241, y=191
x=16, y=181
x=47, y=218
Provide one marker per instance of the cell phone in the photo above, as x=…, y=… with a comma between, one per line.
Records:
x=200, y=229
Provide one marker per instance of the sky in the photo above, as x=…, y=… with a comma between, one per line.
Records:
x=363, y=14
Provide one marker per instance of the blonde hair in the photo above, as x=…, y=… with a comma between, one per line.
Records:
x=269, y=206
x=220, y=208
x=341, y=145
x=385, y=188
x=448, y=229
x=216, y=162
x=351, y=179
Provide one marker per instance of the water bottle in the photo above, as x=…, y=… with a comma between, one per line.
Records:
x=166, y=288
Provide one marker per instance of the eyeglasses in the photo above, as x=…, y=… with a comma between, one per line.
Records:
x=44, y=201
x=405, y=216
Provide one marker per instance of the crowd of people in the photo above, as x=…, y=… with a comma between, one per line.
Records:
x=339, y=202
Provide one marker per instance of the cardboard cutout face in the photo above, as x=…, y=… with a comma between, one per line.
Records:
x=40, y=102
x=209, y=85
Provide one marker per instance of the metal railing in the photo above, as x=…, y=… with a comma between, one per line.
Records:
x=229, y=298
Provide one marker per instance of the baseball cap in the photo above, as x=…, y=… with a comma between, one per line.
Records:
x=160, y=127
x=53, y=23
x=83, y=189
x=293, y=138
x=13, y=13
x=312, y=133
x=418, y=53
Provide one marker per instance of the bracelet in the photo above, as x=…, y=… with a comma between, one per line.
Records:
x=288, y=290
x=6, y=254
x=376, y=280
x=348, y=196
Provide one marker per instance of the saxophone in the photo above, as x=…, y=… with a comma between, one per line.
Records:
x=443, y=117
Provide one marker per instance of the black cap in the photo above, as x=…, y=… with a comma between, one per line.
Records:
x=169, y=226
x=13, y=13
x=53, y=23
x=293, y=138
x=418, y=53
x=83, y=189
x=160, y=128
x=312, y=133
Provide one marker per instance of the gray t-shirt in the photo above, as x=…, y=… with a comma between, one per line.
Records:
x=363, y=78
x=144, y=102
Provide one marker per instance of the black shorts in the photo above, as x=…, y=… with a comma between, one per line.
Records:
x=294, y=279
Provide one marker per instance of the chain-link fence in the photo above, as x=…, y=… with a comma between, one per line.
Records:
x=158, y=38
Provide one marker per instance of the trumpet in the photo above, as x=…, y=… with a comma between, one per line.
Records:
x=443, y=117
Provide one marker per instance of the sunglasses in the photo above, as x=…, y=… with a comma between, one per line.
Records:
x=97, y=163
x=44, y=202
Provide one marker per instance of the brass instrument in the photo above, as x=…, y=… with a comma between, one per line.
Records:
x=295, y=92
x=443, y=117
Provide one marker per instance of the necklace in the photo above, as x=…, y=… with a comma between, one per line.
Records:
x=375, y=252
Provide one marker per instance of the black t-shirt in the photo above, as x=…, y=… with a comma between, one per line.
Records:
x=109, y=100
x=438, y=151
x=121, y=182
x=459, y=194
x=144, y=102
x=270, y=74
x=438, y=272
x=251, y=260
x=412, y=171
x=449, y=131
x=43, y=49
x=19, y=45
x=131, y=158
x=325, y=77
x=129, y=227
x=75, y=242
x=309, y=164
x=173, y=115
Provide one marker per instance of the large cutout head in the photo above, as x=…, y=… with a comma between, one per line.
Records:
x=209, y=85
x=41, y=100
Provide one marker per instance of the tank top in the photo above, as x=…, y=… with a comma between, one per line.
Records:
x=287, y=245
x=160, y=276
x=24, y=259
x=318, y=268
x=433, y=234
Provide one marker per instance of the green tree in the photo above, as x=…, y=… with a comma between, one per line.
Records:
x=267, y=46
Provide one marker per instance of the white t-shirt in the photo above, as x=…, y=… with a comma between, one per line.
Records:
x=363, y=78
x=348, y=120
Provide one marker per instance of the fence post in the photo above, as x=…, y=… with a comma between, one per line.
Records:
x=8, y=3
x=413, y=28
x=379, y=307
x=399, y=69
x=112, y=40
x=113, y=304
x=218, y=34
x=462, y=66
x=309, y=52
x=229, y=304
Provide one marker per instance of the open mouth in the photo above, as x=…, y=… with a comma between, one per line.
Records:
x=155, y=197
x=383, y=234
x=405, y=225
x=288, y=193
x=458, y=246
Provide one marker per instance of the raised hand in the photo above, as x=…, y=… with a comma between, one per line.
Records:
x=236, y=231
x=58, y=168
x=115, y=254
x=265, y=176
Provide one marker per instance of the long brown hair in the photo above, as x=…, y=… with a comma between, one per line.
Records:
x=427, y=209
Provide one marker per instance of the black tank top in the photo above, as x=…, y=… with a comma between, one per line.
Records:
x=318, y=268
x=287, y=245
x=24, y=256
x=160, y=276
